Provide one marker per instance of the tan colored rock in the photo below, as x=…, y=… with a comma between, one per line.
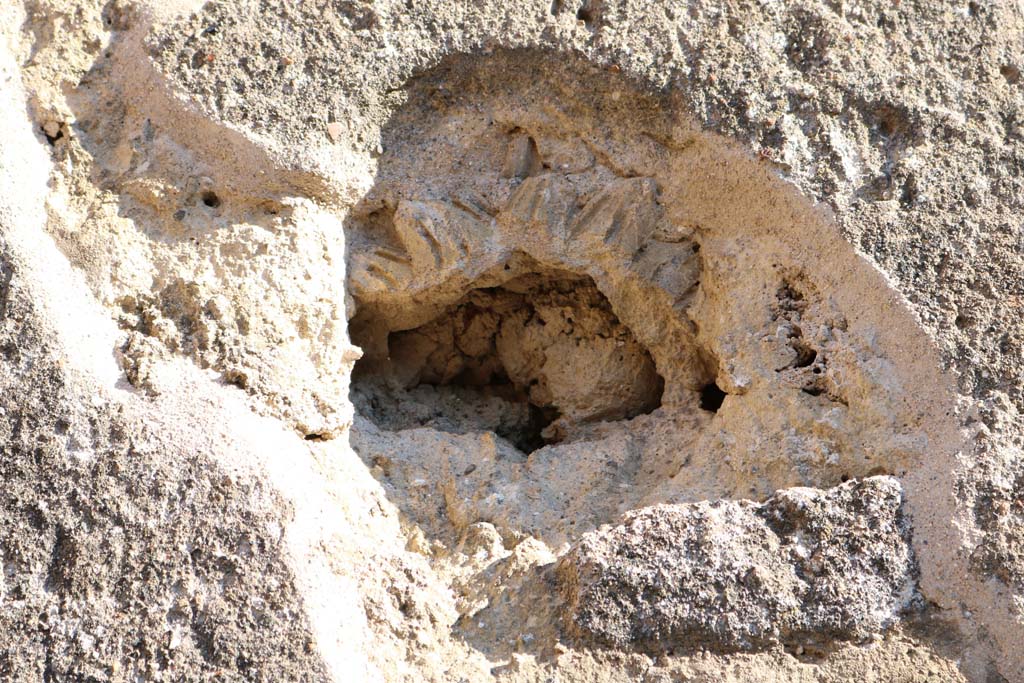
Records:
x=333, y=333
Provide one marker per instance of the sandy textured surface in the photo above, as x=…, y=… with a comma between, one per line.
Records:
x=545, y=341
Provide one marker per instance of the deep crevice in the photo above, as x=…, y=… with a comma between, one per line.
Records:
x=712, y=397
x=52, y=139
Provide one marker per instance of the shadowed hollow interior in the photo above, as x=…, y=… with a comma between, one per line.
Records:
x=527, y=360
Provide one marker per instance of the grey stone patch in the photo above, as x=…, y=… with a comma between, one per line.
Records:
x=994, y=488
x=804, y=568
x=118, y=559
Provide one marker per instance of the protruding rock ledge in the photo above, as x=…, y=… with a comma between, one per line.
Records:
x=807, y=566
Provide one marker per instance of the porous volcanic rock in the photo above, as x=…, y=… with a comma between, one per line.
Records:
x=335, y=334
x=804, y=568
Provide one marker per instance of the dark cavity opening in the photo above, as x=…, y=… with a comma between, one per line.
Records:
x=712, y=397
x=585, y=15
x=805, y=355
x=210, y=199
x=52, y=139
x=532, y=361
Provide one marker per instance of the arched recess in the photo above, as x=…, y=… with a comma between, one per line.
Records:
x=532, y=213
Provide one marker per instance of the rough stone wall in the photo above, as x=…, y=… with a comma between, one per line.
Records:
x=808, y=568
x=683, y=339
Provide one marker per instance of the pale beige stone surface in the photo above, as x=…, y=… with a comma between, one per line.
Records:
x=396, y=341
